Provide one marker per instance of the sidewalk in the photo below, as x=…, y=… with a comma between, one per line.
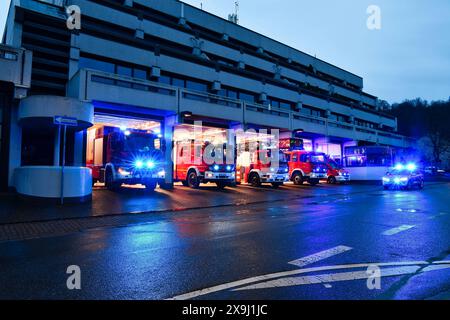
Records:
x=15, y=209
x=21, y=219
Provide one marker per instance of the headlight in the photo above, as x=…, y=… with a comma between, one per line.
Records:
x=397, y=180
x=386, y=179
x=272, y=169
x=139, y=164
x=286, y=170
x=150, y=164
x=228, y=168
x=123, y=172
x=403, y=179
x=216, y=167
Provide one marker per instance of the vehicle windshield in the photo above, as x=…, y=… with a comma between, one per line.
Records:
x=139, y=143
x=333, y=164
x=282, y=157
x=402, y=172
x=317, y=158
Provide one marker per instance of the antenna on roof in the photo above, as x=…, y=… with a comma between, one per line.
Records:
x=234, y=17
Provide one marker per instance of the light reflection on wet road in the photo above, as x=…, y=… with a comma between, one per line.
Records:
x=180, y=252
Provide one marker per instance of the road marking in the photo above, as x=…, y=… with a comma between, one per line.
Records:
x=441, y=214
x=396, y=230
x=327, y=285
x=319, y=256
x=238, y=283
x=337, y=277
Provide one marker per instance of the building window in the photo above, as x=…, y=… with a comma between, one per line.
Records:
x=247, y=97
x=164, y=79
x=36, y=149
x=96, y=65
x=124, y=71
x=178, y=82
x=140, y=73
x=285, y=106
x=197, y=86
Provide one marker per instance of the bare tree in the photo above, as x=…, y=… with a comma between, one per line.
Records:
x=440, y=146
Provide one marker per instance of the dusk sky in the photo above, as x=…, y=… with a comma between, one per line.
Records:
x=409, y=57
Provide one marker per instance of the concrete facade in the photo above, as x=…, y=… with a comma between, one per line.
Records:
x=164, y=59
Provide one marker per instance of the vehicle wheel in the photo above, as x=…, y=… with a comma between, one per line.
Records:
x=110, y=183
x=192, y=180
x=221, y=185
x=332, y=180
x=165, y=186
x=254, y=180
x=276, y=185
x=421, y=184
x=150, y=186
x=297, y=178
x=313, y=182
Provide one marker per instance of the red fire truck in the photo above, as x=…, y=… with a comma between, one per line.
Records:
x=304, y=165
x=307, y=166
x=127, y=157
x=192, y=167
x=336, y=174
x=259, y=164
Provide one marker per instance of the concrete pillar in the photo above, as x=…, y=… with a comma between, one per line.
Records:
x=168, y=129
x=57, y=148
x=15, y=146
x=14, y=34
x=78, y=149
x=74, y=55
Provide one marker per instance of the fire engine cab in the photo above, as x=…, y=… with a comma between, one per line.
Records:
x=336, y=173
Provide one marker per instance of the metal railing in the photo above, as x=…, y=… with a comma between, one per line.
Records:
x=57, y=3
x=155, y=87
x=210, y=98
x=7, y=53
x=129, y=82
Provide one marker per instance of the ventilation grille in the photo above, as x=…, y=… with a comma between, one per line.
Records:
x=49, y=39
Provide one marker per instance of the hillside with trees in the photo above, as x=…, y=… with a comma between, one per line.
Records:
x=429, y=124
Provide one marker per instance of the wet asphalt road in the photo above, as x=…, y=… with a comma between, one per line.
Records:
x=171, y=254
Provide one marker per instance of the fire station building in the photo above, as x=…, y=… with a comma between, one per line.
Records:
x=155, y=65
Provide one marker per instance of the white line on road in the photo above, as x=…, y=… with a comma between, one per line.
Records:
x=441, y=214
x=319, y=256
x=234, y=284
x=396, y=230
x=337, y=277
